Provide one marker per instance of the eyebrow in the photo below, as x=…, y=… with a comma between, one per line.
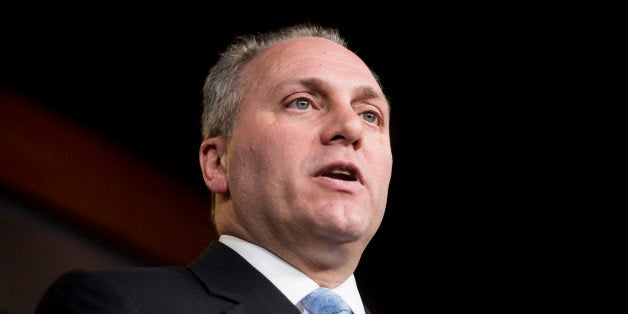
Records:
x=363, y=91
x=370, y=92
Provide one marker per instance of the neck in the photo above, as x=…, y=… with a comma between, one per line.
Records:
x=328, y=264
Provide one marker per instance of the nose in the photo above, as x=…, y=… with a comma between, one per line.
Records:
x=344, y=126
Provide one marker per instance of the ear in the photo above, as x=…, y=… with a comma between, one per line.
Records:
x=212, y=156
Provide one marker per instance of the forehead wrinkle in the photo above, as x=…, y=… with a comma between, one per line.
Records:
x=334, y=59
x=282, y=56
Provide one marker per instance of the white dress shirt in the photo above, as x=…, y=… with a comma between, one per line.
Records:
x=293, y=283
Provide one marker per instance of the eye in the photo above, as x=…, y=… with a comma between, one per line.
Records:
x=301, y=104
x=369, y=116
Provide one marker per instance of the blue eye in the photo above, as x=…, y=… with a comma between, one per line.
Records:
x=369, y=116
x=302, y=103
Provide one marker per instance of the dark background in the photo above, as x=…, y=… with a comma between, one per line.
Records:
x=459, y=81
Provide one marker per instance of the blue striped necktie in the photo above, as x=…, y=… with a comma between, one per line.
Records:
x=325, y=301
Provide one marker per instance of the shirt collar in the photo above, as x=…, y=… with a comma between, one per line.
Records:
x=293, y=283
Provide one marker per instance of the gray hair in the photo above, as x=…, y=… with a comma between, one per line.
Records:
x=222, y=94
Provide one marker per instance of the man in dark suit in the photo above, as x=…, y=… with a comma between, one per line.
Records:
x=219, y=281
x=296, y=152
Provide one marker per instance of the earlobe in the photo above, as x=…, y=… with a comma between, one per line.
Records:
x=212, y=156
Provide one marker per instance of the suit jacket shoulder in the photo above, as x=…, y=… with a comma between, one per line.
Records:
x=218, y=281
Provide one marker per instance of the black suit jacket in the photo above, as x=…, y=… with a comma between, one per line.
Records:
x=218, y=281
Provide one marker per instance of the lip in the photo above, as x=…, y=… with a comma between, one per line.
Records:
x=351, y=167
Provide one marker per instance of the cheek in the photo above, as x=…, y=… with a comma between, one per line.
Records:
x=276, y=144
x=380, y=159
x=263, y=154
x=382, y=170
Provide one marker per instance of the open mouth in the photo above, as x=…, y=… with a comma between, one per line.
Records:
x=341, y=172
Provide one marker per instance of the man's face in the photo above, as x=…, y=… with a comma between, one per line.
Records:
x=310, y=155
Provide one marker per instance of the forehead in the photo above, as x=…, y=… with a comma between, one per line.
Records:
x=315, y=46
x=308, y=57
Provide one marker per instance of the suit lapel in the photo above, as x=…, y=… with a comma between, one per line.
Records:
x=227, y=275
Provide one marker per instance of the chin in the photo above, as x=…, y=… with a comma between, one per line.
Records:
x=342, y=234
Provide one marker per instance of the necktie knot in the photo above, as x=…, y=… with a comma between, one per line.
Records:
x=325, y=301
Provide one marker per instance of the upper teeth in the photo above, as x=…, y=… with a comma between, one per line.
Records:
x=341, y=171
